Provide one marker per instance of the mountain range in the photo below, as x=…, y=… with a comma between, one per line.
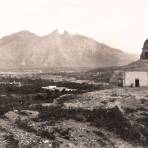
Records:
x=28, y=50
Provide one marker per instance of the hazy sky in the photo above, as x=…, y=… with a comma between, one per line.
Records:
x=119, y=23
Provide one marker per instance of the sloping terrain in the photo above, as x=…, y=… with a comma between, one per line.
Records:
x=27, y=50
x=139, y=65
x=31, y=117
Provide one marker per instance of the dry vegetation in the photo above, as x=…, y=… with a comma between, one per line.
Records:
x=94, y=116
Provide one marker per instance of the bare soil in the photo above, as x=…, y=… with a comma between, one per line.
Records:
x=109, y=118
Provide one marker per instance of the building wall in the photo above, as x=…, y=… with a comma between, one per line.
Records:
x=130, y=78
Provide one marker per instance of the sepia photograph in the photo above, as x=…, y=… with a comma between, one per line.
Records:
x=73, y=74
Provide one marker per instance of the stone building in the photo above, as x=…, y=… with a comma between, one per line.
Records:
x=134, y=74
x=136, y=78
x=144, y=54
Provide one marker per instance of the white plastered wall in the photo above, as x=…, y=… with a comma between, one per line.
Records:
x=130, y=78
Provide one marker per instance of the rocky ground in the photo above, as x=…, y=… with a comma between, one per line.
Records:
x=111, y=118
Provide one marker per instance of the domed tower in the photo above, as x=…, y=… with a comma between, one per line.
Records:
x=144, y=54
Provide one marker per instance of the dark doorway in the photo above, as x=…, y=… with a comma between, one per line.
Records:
x=137, y=84
x=120, y=82
x=146, y=55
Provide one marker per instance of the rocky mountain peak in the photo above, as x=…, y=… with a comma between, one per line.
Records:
x=58, y=50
